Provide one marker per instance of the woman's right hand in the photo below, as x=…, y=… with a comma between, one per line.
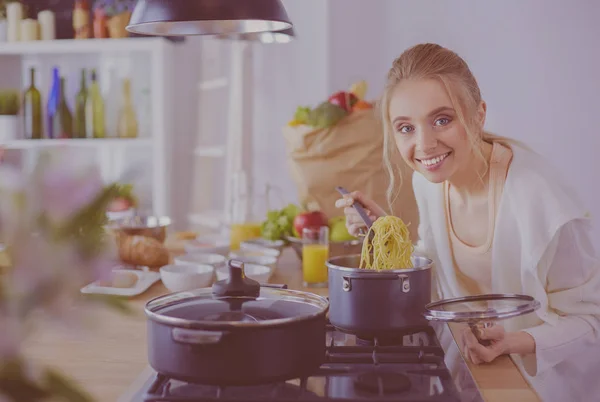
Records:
x=354, y=222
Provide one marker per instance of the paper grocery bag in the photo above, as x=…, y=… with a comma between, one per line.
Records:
x=349, y=154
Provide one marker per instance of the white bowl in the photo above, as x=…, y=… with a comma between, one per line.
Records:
x=263, y=243
x=265, y=260
x=208, y=245
x=254, y=251
x=259, y=273
x=216, y=260
x=179, y=278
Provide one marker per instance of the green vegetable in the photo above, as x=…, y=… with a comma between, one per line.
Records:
x=326, y=115
x=279, y=223
x=301, y=115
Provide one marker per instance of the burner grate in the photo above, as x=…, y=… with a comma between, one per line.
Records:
x=407, y=367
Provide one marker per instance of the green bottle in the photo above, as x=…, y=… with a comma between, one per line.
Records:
x=95, y=110
x=80, y=108
x=65, y=126
x=32, y=110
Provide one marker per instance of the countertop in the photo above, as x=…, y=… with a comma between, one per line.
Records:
x=110, y=353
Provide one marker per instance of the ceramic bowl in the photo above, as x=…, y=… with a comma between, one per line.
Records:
x=179, y=278
x=148, y=226
x=266, y=260
x=215, y=260
x=259, y=273
x=254, y=251
x=208, y=245
x=263, y=243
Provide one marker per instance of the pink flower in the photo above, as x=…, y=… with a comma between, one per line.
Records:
x=65, y=191
x=12, y=334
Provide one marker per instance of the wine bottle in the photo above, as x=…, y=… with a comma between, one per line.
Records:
x=32, y=110
x=65, y=125
x=80, y=108
x=127, y=120
x=95, y=110
x=53, y=104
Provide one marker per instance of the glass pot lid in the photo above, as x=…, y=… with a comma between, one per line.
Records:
x=236, y=301
x=490, y=307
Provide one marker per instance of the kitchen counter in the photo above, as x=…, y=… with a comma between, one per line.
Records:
x=108, y=356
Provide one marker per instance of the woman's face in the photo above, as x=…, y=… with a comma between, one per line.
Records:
x=427, y=131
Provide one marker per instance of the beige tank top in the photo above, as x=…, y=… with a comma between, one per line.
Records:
x=473, y=263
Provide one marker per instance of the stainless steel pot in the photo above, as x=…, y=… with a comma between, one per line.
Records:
x=237, y=333
x=374, y=303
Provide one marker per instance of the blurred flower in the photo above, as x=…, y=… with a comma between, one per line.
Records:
x=52, y=223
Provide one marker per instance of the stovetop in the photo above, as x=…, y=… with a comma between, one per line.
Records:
x=421, y=365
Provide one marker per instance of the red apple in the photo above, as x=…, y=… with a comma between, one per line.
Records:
x=345, y=100
x=119, y=204
x=312, y=219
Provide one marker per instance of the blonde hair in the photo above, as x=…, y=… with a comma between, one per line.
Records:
x=432, y=61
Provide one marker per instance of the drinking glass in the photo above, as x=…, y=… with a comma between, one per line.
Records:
x=315, y=252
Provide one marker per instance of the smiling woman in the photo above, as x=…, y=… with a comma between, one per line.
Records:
x=495, y=217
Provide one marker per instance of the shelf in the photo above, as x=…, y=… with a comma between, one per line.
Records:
x=73, y=46
x=84, y=142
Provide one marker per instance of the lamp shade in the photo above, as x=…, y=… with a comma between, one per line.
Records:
x=285, y=36
x=207, y=17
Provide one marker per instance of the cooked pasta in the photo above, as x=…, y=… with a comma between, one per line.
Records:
x=390, y=247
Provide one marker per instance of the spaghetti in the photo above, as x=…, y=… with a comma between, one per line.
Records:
x=390, y=247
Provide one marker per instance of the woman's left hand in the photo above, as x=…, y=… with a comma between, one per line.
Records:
x=476, y=352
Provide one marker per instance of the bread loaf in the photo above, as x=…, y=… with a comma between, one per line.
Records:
x=141, y=250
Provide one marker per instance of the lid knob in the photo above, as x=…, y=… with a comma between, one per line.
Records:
x=238, y=284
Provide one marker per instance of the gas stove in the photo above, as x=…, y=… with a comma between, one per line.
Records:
x=418, y=365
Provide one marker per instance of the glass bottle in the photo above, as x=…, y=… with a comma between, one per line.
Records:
x=80, y=108
x=53, y=104
x=127, y=126
x=95, y=110
x=32, y=110
x=65, y=120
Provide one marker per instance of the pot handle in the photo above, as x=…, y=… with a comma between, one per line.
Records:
x=196, y=337
x=347, y=280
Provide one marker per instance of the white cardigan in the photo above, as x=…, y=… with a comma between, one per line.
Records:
x=541, y=248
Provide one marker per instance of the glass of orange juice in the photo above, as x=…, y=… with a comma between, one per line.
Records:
x=315, y=252
x=241, y=232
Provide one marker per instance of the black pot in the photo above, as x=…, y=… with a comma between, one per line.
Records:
x=237, y=333
x=372, y=303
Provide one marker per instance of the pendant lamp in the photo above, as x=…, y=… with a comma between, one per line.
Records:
x=207, y=17
x=285, y=36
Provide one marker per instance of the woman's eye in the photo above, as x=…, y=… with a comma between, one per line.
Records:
x=405, y=129
x=442, y=121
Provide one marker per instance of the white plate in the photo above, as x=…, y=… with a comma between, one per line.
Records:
x=145, y=280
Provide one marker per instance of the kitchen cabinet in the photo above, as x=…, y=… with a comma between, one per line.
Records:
x=149, y=63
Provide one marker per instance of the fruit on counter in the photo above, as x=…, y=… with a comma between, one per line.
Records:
x=300, y=117
x=326, y=115
x=310, y=219
x=338, y=231
x=279, y=223
x=124, y=199
x=359, y=89
x=362, y=105
x=345, y=100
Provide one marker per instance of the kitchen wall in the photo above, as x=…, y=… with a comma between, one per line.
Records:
x=537, y=63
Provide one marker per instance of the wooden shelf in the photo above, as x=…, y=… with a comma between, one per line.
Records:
x=76, y=142
x=74, y=46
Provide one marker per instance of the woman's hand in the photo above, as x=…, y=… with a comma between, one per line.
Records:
x=501, y=343
x=354, y=222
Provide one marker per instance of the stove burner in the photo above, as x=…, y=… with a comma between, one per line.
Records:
x=382, y=382
x=380, y=341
